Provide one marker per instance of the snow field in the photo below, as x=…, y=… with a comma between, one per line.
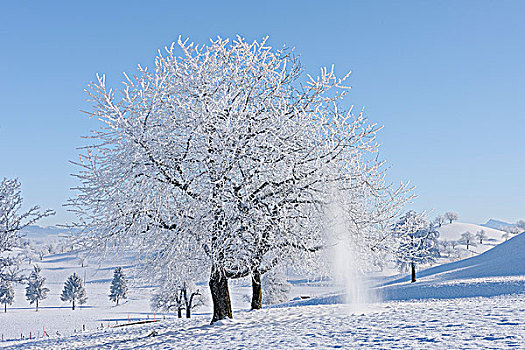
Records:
x=469, y=323
x=475, y=303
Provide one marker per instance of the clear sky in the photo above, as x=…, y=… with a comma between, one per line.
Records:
x=445, y=78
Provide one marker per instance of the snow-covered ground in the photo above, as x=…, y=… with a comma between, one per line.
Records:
x=472, y=323
x=476, y=303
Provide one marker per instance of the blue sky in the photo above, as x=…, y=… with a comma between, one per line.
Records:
x=445, y=78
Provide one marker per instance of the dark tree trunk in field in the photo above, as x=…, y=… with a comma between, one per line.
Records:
x=413, y=267
x=222, y=306
x=256, y=290
x=188, y=312
x=5, y=307
x=73, y=304
x=37, y=305
x=179, y=312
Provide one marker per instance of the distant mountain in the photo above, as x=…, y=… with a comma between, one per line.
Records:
x=47, y=234
x=496, y=224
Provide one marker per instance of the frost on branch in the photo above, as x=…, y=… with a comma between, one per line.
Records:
x=226, y=157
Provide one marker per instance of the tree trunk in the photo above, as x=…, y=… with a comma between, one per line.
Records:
x=73, y=304
x=222, y=306
x=413, y=266
x=188, y=312
x=5, y=307
x=37, y=305
x=256, y=290
x=117, y=301
x=179, y=312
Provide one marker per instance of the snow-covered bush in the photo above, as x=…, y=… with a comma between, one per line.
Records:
x=74, y=290
x=119, y=288
x=35, y=290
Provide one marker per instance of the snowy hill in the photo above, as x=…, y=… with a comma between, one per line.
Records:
x=454, y=230
x=500, y=270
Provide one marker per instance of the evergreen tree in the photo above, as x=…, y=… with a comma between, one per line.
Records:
x=7, y=294
x=74, y=290
x=119, y=288
x=35, y=290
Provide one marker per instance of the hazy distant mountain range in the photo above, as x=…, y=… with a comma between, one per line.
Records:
x=35, y=231
x=496, y=224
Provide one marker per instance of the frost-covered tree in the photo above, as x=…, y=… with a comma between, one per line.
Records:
x=446, y=248
x=505, y=236
x=74, y=290
x=416, y=241
x=481, y=235
x=12, y=220
x=119, y=288
x=467, y=238
x=173, y=296
x=512, y=229
x=7, y=294
x=520, y=224
x=275, y=287
x=192, y=297
x=440, y=220
x=35, y=290
x=168, y=297
x=221, y=155
x=451, y=216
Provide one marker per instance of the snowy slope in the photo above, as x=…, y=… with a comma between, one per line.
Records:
x=500, y=270
x=452, y=232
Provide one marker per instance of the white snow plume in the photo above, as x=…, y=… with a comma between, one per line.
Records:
x=350, y=261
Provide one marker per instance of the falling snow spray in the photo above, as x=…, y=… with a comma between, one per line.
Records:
x=348, y=263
